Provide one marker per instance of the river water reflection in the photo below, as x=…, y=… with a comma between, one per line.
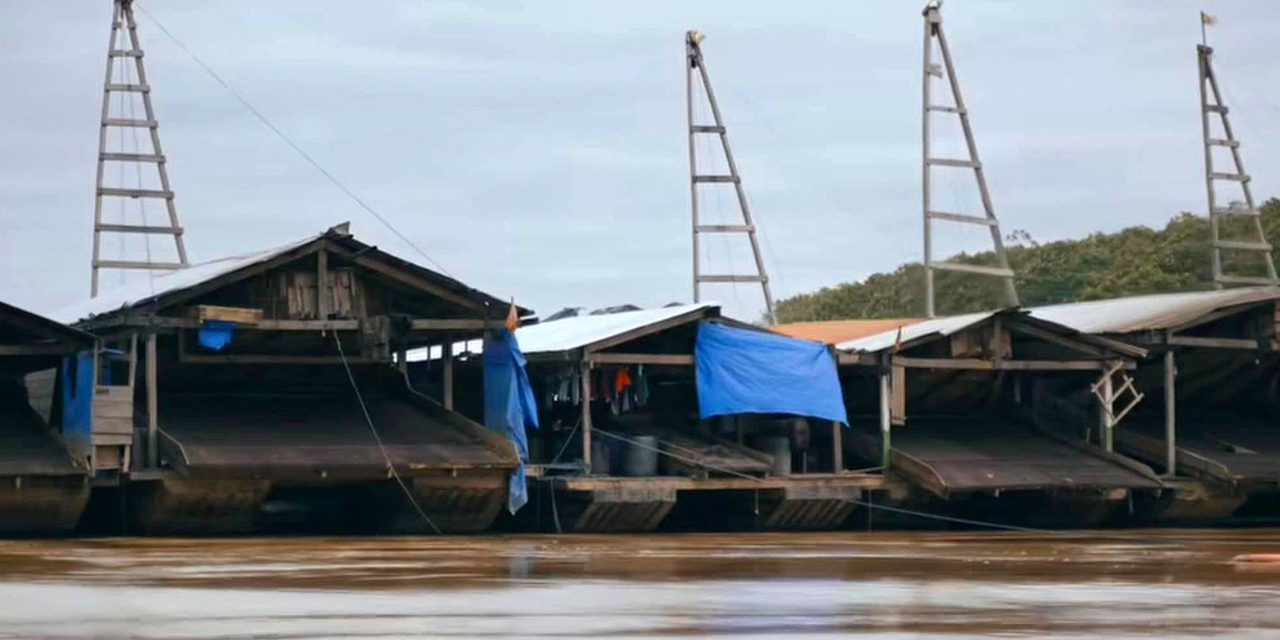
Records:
x=1141, y=584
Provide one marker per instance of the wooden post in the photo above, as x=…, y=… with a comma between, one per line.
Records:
x=1105, y=413
x=1170, y=417
x=153, y=404
x=322, y=284
x=837, y=448
x=886, y=400
x=446, y=352
x=586, y=417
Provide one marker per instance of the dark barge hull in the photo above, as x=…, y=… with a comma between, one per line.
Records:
x=1231, y=457
x=42, y=490
x=315, y=453
x=809, y=502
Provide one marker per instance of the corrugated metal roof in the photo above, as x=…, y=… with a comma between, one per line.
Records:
x=1150, y=312
x=940, y=326
x=19, y=325
x=145, y=290
x=838, y=331
x=150, y=290
x=575, y=333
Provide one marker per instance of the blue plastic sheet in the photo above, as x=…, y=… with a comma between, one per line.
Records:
x=509, y=404
x=216, y=334
x=77, y=403
x=747, y=371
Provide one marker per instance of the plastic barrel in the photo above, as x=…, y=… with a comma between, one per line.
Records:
x=640, y=459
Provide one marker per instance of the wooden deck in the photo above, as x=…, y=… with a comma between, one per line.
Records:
x=988, y=452
x=866, y=481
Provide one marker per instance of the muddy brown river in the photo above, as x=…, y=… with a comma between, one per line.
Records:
x=1133, y=584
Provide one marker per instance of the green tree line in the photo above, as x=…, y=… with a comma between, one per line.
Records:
x=1132, y=261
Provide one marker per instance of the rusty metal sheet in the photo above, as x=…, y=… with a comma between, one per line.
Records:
x=317, y=437
x=988, y=452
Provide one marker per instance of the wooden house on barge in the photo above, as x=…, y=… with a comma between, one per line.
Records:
x=625, y=444
x=43, y=487
x=269, y=390
x=1213, y=426
x=997, y=416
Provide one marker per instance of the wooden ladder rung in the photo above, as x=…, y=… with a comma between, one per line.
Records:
x=728, y=278
x=132, y=157
x=135, y=193
x=138, y=228
x=733, y=179
x=962, y=217
x=129, y=122
x=1242, y=246
x=952, y=162
x=130, y=264
x=141, y=88
x=974, y=268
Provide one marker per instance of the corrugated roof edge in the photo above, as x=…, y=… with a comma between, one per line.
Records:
x=49, y=325
x=1152, y=312
x=943, y=327
x=175, y=282
x=583, y=332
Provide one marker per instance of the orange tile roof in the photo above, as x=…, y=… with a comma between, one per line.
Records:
x=837, y=331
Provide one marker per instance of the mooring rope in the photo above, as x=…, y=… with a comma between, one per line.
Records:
x=391, y=467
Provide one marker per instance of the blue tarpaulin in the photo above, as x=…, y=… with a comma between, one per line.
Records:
x=77, y=403
x=748, y=371
x=216, y=334
x=508, y=404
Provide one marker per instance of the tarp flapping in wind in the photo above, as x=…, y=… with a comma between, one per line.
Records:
x=747, y=371
x=509, y=404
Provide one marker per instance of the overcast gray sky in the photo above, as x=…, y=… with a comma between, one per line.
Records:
x=537, y=149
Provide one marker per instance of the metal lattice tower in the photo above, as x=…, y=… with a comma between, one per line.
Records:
x=124, y=46
x=933, y=32
x=695, y=63
x=1254, y=240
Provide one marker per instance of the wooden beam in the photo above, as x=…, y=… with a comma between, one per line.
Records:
x=1003, y=365
x=153, y=321
x=1222, y=343
x=273, y=359
x=238, y=315
x=409, y=279
x=477, y=324
x=153, y=404
x=35, y=349
x=1060, y=340
x=676, y=359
